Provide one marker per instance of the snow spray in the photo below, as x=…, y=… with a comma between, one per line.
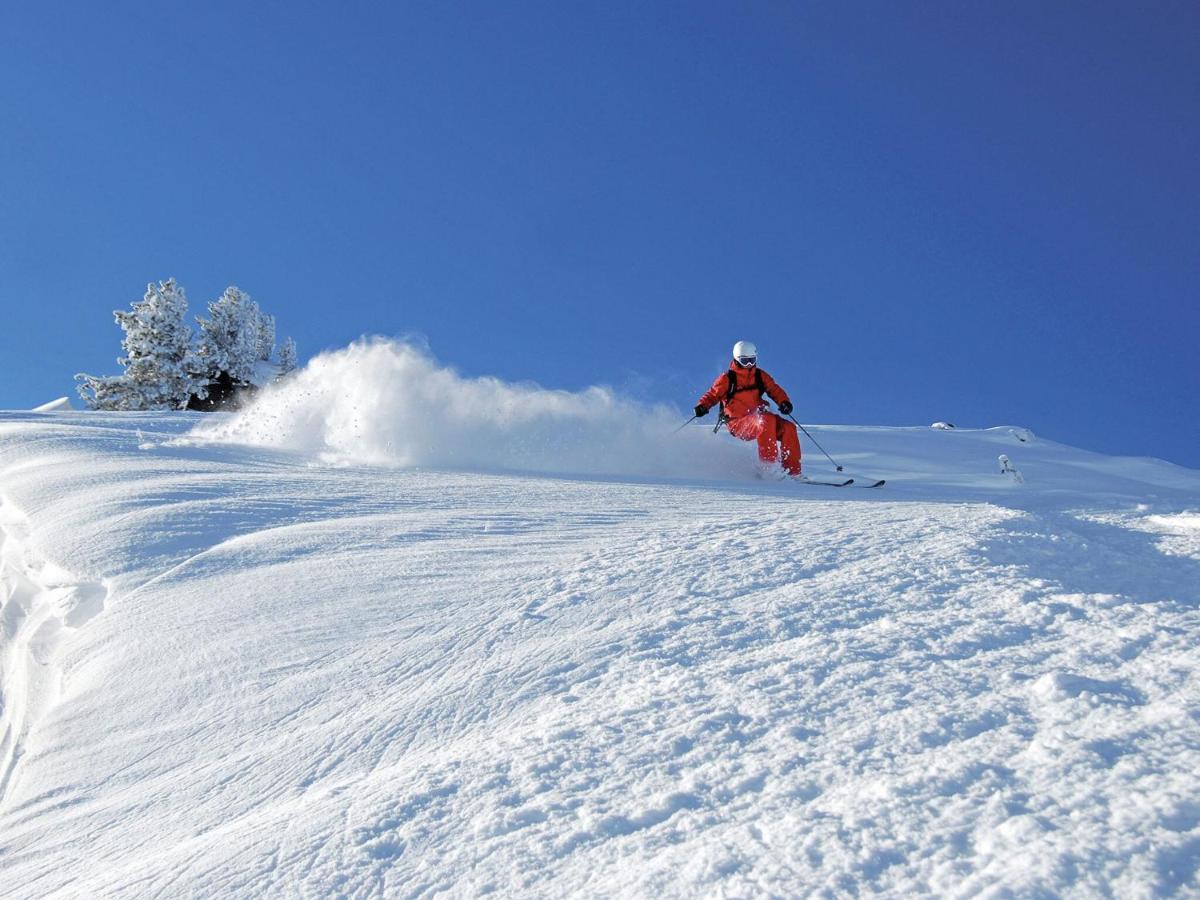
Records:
x=389, y=402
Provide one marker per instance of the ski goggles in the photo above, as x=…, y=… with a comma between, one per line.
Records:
x=746, y=361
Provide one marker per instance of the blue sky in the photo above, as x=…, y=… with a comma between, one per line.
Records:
x=983, y=213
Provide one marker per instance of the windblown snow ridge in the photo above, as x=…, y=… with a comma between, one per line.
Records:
x=38, y=600
x=388, y=402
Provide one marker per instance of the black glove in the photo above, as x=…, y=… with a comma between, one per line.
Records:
x=786, y=407
x=701, y=411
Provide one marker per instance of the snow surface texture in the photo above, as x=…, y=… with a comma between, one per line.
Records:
x=242, y=670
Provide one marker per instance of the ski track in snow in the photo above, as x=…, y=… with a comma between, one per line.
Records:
x=229, y=672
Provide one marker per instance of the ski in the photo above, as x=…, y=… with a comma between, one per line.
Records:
x=867, y=483
x=802, y=479
x=874, y=484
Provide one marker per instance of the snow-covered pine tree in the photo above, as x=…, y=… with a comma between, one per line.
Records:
x=229, y=337
x=287, y=356
x=266, y=336
x=158, y=361
x=108, y=392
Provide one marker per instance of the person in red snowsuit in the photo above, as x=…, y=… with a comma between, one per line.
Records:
x=740, y=392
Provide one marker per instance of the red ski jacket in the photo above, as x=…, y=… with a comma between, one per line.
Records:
x=743, y=392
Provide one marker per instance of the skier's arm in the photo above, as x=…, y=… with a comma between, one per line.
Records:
x=714, y=394
x=776, y=393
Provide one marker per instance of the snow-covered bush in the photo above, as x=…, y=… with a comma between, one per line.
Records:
x=167, y=367
x=159, y=364
x=229, y=337
x=266, y=336
x=287, y=356
x=1007, y=468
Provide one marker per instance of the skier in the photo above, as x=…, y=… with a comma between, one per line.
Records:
x=739, y=392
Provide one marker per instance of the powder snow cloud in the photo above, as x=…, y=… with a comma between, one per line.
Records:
x=389, y=402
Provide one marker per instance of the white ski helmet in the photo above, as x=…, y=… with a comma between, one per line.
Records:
x=745, y=353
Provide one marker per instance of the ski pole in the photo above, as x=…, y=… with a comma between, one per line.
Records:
x=685, y=425
x=814, y=440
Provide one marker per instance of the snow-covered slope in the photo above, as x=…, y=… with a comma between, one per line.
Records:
x=257, y=671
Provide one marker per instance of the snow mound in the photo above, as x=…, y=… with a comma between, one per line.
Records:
x=387, y=402
x=62, y=404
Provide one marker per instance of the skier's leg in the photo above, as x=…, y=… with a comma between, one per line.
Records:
x=755, y=427
x=768, y=444
x=743, y=428
x=791, y=445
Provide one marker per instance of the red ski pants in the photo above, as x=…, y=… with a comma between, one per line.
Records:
x=770, y=431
